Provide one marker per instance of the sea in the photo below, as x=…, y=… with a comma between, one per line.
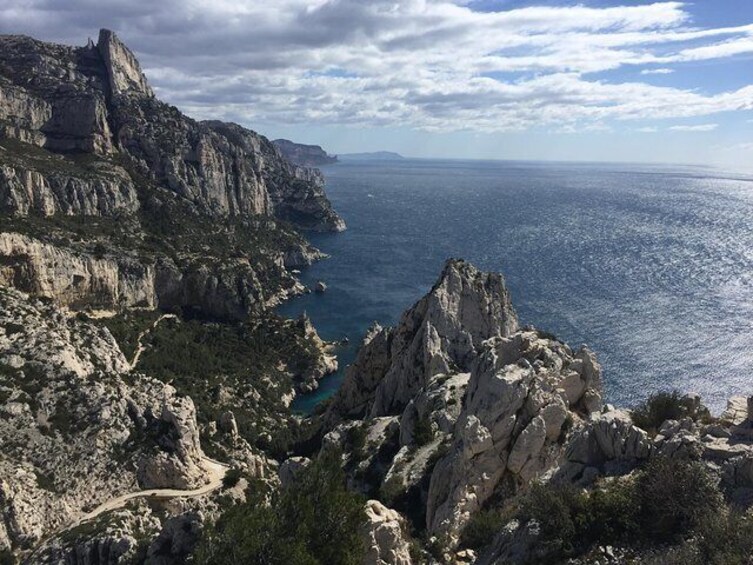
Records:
x=651, y=266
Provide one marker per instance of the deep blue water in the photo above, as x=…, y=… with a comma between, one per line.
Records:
x=652, y=267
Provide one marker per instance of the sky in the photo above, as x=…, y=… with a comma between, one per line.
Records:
x=594, y=80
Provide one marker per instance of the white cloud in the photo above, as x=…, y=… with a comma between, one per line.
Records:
x=659, y=71
x=700, y=127
x=429, y=64
x=647, y=129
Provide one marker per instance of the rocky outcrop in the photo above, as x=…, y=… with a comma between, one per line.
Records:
x=384, y=537
x=74, y=429
x=116, y=538
x=609, y=445
x=122, y=69
x=290, y=192
x=96, y=100
x=178, y=464
x=513, y=426
x=324, y=361
x=304, y=155
x=442, y=333
x=457, y=402
x=228, y=290
x=53, y=95
x=222, y=289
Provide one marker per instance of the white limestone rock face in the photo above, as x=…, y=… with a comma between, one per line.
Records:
x=27, y=188
x=442, y=333
x=479, y=403
x=79, y=279
x=95, y=99
x=513, y=425
x=123, y=70
x=384, y=536
x=74, y=279
x=736, y=411
x=74, y=429
x=53, y=96
x=439, y=404
x=325, y=362
x=356, y=394
x=114, y=539
x=610, y=444
x=179, y=465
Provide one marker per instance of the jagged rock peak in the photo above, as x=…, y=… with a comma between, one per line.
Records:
x=123, y=69
x=442, y=333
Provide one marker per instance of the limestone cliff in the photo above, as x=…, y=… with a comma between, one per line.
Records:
x=96, y=100
x=457, y=411
x=75, y=279
x=304, y=155
x=457, y=401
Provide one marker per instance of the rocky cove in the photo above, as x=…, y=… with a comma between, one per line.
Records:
x=141, y=256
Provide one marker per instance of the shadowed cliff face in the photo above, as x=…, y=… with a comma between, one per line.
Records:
x=304, y=155
x=96, y=100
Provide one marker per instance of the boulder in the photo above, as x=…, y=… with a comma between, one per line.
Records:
x=609, y=444
x=384, y=536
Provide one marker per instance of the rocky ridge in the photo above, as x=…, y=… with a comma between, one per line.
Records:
x=457, y=406
x=83, y=135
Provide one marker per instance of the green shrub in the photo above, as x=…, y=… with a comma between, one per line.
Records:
x=314, y=521
x=392, y=489
x=231, y=478
x=357, y=440
x=668, y=500
x=572, y=520
x=7, y=557
x=12, y=328
x=726, y=538
x=662, y=406
x=482, y=528
x=422, y=431
x=676, y=497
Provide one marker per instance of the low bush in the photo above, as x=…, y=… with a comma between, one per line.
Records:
x=676, y=497
x=666, y=501
x=357, y=440
x=422, y=431
x=231, y=478
x=482, y=528
x=662, y=406
x=316, y=520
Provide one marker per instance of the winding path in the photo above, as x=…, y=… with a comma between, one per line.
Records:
x=140, y=348
x=215, y=470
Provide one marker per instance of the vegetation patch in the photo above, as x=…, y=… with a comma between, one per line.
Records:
x=667, y=502
x=244, y=367
x=316, y=520
x=663, y=406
